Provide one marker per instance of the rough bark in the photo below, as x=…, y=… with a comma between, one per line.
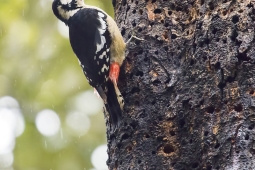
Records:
x=189, y=88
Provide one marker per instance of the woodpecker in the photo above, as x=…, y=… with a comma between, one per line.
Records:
x=100, y=48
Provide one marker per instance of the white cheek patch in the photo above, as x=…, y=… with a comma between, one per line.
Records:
x=64, y=2
x=66, y=14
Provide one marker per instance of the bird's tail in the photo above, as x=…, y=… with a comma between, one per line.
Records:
x=114, y=104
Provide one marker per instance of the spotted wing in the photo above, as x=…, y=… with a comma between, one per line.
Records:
x=91, y=41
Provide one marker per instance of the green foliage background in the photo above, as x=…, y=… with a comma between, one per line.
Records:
x=39, y=69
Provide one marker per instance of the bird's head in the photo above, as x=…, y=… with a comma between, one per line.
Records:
x=65, y=9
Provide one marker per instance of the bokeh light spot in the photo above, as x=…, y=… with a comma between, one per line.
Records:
x=78, y=123
x=7, y=131
x=8, y=102
x=6, y=160
x=47, y=122
x=10, y=112
x=99, y=157
x=87, y=102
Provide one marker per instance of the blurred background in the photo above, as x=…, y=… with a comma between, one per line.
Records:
x=49, y=117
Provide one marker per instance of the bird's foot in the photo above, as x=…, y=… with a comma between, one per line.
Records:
x=135, y=37
x=128, y=41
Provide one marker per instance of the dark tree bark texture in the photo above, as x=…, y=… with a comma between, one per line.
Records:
x=189, y=87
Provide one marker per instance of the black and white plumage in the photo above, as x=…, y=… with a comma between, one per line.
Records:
x=91, y=44
x=100, y=48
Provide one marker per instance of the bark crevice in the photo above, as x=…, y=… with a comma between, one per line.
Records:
x=188, y=88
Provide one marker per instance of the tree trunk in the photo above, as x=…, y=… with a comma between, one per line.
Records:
x=189, y=87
